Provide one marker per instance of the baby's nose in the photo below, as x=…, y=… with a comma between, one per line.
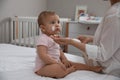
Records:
x=58, y=25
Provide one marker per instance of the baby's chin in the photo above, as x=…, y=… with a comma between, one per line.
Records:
x=57, y=32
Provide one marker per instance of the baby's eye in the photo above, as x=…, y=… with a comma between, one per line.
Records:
x=58, y=22
x=53, y=22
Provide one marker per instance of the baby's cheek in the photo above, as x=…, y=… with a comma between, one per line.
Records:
x=53, y=28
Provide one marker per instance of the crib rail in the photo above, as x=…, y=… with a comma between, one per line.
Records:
x=23, y=31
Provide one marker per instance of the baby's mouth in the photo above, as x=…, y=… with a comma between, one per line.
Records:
x=56, y=30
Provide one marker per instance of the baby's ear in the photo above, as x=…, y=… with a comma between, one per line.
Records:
x=42, y=28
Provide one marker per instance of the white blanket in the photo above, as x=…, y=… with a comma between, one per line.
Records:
x=17, y=63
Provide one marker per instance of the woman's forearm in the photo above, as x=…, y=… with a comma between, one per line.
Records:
x=78, y=45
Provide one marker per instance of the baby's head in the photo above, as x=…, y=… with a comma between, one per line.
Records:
x=49, y=23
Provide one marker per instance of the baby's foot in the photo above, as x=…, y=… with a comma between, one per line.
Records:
x=97, y=69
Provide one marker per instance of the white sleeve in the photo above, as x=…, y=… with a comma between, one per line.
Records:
x=91, y=51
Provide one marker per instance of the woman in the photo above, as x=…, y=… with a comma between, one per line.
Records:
x=106, y=42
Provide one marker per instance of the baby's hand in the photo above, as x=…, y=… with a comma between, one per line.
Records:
x=62, y=65
x=66, y=63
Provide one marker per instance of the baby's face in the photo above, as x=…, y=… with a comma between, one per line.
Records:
x=52, y=25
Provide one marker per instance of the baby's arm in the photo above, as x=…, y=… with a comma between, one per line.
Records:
x=64, y=59
x=42, y=53
x=62, y=56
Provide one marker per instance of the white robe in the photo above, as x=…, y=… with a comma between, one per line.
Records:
x=106, y=48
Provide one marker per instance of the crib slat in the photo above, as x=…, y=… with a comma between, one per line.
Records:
x=25, y=40
x=3, y=37
x=4, y=40
x=34, y=41
x=11, y=29
x=8, y=32
x=29, y=35
x=32, y=26
x=0, y=34
x=19, y=33
x=15, y=34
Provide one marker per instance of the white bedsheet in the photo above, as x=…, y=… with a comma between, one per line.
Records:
x=17, y=63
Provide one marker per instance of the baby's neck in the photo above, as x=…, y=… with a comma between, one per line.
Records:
x=56, y=35
x=46, y=34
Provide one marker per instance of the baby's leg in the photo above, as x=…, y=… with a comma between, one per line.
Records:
x=54, y=71
x=80, y=66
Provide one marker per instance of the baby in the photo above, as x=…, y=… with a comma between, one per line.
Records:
x=50, y=60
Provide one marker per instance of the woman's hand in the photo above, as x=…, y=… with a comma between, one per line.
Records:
x=62, y=41
x=85, y=39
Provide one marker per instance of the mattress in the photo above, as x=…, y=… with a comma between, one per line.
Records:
x=17, y=63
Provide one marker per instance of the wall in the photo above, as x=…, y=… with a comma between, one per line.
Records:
x=10, y=8
x=66, y=8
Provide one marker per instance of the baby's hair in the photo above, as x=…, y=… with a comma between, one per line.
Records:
x=43, y=15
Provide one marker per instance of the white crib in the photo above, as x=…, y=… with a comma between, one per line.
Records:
x=23, y=31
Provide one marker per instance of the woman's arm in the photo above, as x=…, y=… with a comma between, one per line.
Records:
x=42, y=53
x=78, y=45
x=85, y=38
x=69, y=41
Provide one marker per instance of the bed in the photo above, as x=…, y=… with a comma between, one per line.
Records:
x=17, y=53
x=17, y=63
